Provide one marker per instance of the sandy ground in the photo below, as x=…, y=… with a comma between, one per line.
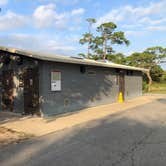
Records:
x=8, y=136
x=39, y=126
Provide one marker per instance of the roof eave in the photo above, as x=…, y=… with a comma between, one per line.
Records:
x=65, y=59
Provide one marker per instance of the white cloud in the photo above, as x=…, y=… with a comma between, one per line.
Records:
x=148, y=20
x=47, y=16
x=157, y=28
x=63, y=2
x=43, y=43
x=3, y=2
x=59, y=46
x=131, y=17
x=110, y=16
x=130, y=26
x=135, y=33
x=132, y=13
x=44, y=16
x=12, y=21
x=77, y=11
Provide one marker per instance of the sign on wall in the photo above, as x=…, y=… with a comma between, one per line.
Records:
x=55, y=80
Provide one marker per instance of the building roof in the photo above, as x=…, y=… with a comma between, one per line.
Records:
x=66, y=59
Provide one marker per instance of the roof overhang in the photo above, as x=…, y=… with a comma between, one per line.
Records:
x=66, y=59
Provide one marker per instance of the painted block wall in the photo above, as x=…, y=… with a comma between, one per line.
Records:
x=83, y=90
x=96, y=86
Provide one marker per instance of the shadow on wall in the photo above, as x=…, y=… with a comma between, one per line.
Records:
x=79, y=90
x=14, y=69
x=103, y=142
x=7, y=116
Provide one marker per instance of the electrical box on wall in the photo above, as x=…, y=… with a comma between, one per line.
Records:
x=55, y=80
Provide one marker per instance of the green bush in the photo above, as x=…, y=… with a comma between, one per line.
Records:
x=145, y=86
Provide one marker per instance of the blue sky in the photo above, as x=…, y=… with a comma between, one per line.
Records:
x=56, y=25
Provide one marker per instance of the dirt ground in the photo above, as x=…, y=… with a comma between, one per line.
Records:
x=8, y=136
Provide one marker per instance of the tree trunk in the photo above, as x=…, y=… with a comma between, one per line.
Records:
x=104, y=48
x=89, y=28
x=88, y=50
x=149, y=80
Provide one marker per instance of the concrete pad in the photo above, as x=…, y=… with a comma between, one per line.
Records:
x=39, y=126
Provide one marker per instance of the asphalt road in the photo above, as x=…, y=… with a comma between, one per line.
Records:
x=135, y=137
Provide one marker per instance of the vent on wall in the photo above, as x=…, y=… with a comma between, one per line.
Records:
x=91, y=73
x=117, y=71
x=82, y=69
x=129, y=72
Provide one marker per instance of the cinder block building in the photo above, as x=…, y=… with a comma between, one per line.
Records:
x=37, y=83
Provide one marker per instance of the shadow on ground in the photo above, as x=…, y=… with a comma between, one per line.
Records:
x=162, y=100
x=7, y=116
x=121, y=139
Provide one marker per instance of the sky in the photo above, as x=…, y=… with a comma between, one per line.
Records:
x=57, y=25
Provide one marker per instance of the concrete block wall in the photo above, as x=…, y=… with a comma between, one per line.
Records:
x=96, y=86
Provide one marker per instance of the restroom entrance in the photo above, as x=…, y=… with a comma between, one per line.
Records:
x=122, y=83
x=7, y=90
x=31, y=91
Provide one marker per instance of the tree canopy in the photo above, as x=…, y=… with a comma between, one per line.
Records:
x=106, y=35
x=100, y=45
x=151, y=59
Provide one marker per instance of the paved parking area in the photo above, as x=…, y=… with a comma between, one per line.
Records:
x=134, y=137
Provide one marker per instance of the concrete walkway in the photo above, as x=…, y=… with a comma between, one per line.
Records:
x=39, y=126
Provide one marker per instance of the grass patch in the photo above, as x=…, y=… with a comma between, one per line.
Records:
x=158, y=88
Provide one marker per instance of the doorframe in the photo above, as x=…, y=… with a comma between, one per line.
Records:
x=9, y=106
x=122, y=83
x=36, y=77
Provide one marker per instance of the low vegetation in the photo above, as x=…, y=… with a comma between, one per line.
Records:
x=158, y=88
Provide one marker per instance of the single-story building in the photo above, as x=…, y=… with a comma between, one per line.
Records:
x=37, y=83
